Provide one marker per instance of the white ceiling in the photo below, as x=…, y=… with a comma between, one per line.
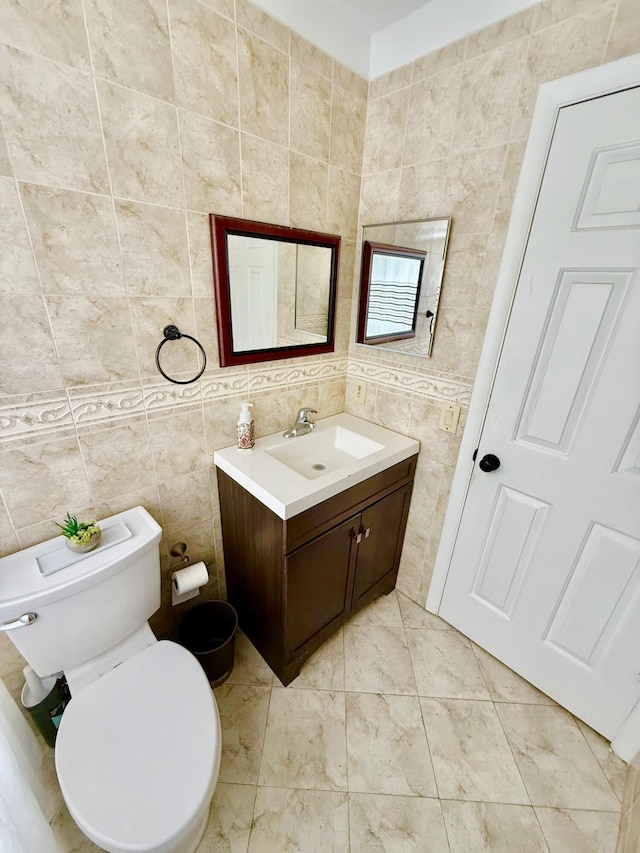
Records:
x=375, y=15
x=375, y=36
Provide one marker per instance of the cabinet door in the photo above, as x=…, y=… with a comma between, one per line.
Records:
x=382, y=530
x=318, y=580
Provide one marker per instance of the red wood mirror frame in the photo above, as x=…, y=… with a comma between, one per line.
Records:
x=243, y=291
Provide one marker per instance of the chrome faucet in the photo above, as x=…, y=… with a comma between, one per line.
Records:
x=302, y=424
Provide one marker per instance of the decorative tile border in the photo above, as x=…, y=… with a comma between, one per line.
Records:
x=464, y=395
x=112, y=403
x=40, y=415
x=223, y=383
x=315, y=372
x=35, y=416
x=158, y=397
x=436, y=387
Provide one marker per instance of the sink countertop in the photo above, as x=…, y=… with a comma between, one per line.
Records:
x=288, y=493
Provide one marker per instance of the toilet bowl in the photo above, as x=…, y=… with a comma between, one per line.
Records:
x=138, y=748
x=138, y=752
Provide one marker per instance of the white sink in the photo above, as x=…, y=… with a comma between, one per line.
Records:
x=290, y=475
x=319, y=453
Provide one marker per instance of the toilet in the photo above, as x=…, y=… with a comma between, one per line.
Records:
x=138, y=748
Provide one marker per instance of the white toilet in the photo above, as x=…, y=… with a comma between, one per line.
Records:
x=138, y=748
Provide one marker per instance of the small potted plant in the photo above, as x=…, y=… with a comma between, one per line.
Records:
x=82, y=536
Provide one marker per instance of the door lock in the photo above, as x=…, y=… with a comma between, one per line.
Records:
x=490, y=462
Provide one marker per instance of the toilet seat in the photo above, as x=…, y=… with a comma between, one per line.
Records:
x=138, y=751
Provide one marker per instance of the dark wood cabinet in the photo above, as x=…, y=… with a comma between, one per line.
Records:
x=382, y=530
x=317, y=586
x=295, y=582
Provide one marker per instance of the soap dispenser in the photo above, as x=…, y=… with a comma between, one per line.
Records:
x=246, y=428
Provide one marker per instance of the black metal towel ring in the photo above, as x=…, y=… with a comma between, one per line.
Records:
x=172, y=333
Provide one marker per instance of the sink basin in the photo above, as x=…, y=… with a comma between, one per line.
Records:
x=290, y=475
x=322, y=452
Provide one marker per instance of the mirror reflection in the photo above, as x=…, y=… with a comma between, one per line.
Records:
x=279, y=293
x=400, y=282
x=275, y=290
x=393, y=282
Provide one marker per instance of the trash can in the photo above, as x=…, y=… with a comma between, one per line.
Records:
x=46, y=708
x=209, y=632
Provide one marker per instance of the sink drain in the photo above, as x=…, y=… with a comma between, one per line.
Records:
x=319, y=467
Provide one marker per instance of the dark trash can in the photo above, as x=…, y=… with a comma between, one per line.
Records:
x=47, y=713
x=209, y=632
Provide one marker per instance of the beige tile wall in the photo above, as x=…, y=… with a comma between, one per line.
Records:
x=123, y=125
x=446, y=136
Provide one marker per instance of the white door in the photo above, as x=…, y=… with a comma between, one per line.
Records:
x=253, y=274
x=545, y=572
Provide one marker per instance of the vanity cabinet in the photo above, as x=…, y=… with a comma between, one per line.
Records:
x=294, y=582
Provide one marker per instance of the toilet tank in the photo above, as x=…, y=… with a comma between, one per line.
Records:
x=84, y=604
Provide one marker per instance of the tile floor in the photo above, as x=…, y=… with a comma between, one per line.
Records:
x=399, y=735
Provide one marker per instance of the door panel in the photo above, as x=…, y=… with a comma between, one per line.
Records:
x=505, y=559
x=611, y=195
x=580, y=630
x=630, y=457
x=544, y=573
x=582, y=318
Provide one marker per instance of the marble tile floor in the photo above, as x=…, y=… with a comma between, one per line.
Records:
x=399, y=735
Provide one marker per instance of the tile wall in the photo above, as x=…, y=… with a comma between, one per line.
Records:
x=445, y=137
x=123, y=125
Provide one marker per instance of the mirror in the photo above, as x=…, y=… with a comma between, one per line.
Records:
x=400, y=282
x=275, y=290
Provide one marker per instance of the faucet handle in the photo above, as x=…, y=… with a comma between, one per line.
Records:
x=302, y=413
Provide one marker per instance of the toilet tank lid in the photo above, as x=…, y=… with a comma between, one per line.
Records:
x=23, y=587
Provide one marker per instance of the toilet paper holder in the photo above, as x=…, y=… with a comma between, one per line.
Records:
x=186, y=582
x=179, y=549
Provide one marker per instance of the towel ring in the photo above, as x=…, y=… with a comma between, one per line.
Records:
x=172, y=333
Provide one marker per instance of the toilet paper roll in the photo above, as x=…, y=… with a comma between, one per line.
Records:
x=190, y=578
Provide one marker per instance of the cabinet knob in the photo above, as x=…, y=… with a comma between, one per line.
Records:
x=357, y=537
x=366, y=531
